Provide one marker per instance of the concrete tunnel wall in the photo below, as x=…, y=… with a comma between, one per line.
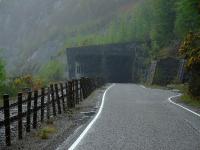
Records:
x=114, y=62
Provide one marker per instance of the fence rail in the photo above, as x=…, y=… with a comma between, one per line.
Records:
x=44, y=103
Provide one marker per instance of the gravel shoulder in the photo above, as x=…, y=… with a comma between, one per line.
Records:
x=67, y=126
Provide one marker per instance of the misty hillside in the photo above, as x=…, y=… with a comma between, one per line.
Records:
x=34, y=31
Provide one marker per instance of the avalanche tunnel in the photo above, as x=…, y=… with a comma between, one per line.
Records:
x=116, y=63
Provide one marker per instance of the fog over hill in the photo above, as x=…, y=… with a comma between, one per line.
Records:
x=32, y=31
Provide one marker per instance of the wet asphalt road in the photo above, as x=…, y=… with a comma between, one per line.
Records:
x=135, y=118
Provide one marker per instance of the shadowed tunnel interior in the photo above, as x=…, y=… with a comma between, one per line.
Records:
x=119, y=69
x=114, y=68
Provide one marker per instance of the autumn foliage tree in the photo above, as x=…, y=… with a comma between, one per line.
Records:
x=28, y=81
x=190, y=50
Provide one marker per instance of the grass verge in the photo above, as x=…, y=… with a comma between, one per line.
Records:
x=154, y=86
x=186, y=97
x=190, y=100
x=45, y=132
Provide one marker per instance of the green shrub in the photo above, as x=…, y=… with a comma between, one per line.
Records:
x=46, y=131
x=52, y=71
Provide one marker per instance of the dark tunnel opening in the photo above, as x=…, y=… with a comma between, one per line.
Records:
x=119, y=69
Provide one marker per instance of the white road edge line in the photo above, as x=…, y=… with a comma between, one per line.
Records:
x=142, y=86
x=73, y=146
x=170, y=100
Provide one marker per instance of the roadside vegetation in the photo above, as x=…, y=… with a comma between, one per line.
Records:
x=190, y=50
x=22, y=83
x=190, y=100
x=186, y=97
x=45, y=132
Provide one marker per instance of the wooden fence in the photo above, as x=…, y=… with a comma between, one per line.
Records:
x=44, y=103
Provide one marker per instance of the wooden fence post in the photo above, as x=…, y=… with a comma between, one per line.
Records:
x=67, y=92
x=80, y=90
x=53, y=100
x=48, y=102
x=76, y=91
x=35, y=110
x=70, y=95
x=62, y=96
x=58, y=99
x=86, y=87
x=7, y=118
x=73, y=94
x=19, y=115
x=82, y=82
x=28, y=117
x=90, y=86
x=42, y=104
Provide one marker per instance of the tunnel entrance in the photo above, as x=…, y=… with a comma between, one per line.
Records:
x=119, y=69
x=113, y=62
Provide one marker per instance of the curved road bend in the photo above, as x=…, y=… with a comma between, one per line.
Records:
x=135, y=118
